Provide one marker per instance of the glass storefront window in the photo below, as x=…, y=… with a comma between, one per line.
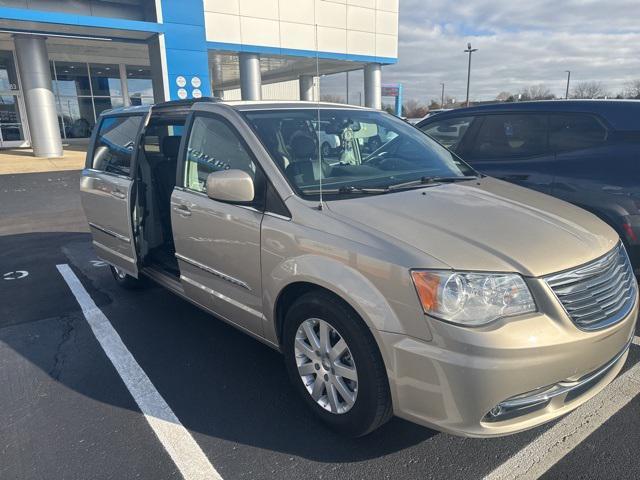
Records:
x=71, y=79
x=83, y=91
x=105, y=80
x=8, y=77
x=107, y=103
x=76, y=116
x=139, y=85
x=10, y=124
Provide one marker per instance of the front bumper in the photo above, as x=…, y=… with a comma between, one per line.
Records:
x=542, y=362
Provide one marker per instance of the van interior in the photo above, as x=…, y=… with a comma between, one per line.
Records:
x=157, y=165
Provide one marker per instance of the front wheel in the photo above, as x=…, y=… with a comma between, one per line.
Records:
x=334, y=363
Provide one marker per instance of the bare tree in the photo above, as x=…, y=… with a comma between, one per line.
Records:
x=536, y=92
x=414, y=109
x=632, y=89
x=332, y=98
x=504, y=97
x=589, y=90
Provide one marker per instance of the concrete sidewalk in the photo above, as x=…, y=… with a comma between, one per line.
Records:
x=21, y=160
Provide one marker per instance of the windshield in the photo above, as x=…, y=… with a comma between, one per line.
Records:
x=351, y=151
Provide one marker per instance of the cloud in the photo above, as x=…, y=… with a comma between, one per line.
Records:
x=520, y=43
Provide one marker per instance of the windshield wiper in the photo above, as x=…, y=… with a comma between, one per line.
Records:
x=430, y=181
x=349, y=189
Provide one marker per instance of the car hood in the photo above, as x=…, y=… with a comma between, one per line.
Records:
x=484, y=225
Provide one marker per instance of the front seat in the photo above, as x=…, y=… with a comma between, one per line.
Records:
x=304, y=166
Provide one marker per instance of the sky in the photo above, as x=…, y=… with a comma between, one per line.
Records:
x=520, y=43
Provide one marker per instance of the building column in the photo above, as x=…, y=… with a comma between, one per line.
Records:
x=250, y=77
x=125, y=85
x=40, y=102
x=306, y=88
x=373, y=85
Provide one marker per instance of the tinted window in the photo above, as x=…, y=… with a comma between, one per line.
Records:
x=575, y=131
x=213, y=146
x=448, y=132
x=114, y=144
x=502, y=136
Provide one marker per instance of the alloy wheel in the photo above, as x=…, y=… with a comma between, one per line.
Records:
x=326, y=366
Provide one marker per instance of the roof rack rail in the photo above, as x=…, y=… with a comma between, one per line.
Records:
x=187, y=102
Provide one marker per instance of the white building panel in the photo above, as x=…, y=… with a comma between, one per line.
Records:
x=221, y=27
x=363, y=3
x=260, y=8
x=298, y=11
x=222, y=6
x=388, y=5
x=297, y=36
x=332, y=40
x=361, y=19
x=260, y=31
x=360, y=43
x=387, y=23
x=386, y=45
x=330, y=14
x=353, y=27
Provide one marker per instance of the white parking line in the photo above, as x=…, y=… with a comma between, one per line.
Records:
x=178, y=442
x=546, y=450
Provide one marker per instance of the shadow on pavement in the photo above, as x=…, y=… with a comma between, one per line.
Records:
x=220, y=383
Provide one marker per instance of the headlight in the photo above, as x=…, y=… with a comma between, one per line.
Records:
x=472, y=298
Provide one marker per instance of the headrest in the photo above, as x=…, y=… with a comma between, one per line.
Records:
x=303, y=147
x=171, y=146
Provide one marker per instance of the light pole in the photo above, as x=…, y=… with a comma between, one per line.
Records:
x=469, y=50
x=442, y=97
x=568, y=79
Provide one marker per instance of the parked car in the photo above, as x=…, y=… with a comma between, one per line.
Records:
x=396, y=282
x=584, y=152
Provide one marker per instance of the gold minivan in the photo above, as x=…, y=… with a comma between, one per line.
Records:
x=394, y=278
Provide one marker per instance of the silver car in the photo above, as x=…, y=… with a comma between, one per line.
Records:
x=394, y=280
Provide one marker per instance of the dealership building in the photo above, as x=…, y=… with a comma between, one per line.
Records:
x=63, y=62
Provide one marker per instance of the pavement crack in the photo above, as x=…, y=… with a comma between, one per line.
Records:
x=60, y=356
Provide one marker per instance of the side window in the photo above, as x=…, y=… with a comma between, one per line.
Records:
x=512, y=135
x=449, y=132
x=114, y=144
x=214, y=145
x=569, y=132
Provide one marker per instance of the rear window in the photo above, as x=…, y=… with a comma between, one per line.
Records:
x=513, y=135
x=569, y=132
x=114, y=144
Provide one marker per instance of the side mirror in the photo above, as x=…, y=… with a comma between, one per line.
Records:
x=230, y=186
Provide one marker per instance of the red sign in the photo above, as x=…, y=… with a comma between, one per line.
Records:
x=390, y=91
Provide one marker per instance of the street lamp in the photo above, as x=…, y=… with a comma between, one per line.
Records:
x=469, y=50
x=568, y=79
x=442, y=97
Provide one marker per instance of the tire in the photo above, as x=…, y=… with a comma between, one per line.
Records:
x=369, y=394
x=125, y=280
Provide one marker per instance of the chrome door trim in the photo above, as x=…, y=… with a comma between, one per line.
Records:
x=213, y=271
x=219, y=295
x=110, y=232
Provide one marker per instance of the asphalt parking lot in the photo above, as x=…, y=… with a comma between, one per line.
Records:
x=67, y=411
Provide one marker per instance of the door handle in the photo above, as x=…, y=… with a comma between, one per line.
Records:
x=182, y=210
x=118, y=194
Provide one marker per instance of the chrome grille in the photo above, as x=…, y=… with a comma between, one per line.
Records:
x=599, y=293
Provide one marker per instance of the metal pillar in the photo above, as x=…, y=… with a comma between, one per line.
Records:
x=250, y=77
x=124, y=80
x=306, y=88
x=35, y=75
x=373, y=85
x=217, y=77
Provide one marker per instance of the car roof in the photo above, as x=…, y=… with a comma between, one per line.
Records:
x=620, y=114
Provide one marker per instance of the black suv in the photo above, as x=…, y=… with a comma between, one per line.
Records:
x=586, y=152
